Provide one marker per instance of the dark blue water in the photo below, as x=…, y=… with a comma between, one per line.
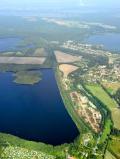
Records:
x=35, y=112
x=7, y=44
x=110, y=41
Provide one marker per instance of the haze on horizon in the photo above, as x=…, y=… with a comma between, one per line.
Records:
x=59, y=8
x=59, y=3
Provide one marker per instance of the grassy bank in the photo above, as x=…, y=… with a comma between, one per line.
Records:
x=69, y=105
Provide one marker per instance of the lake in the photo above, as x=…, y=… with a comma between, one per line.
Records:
x=8, y=44
x=35, y=112
x=110, y=41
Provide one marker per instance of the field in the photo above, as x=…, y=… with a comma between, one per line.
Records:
x=67, y=69
x=22, y=60
x=62, y=57
x=114, y=146
x=111, y=87
x=106, y=131
x=108, y=155
x=98, y=91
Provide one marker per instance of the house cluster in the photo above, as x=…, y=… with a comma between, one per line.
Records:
x=22, y=153
x=66, y=83
x=87, y=110
x=87, y=48
x=103, y=74
x=86, y=139
x=75, y=46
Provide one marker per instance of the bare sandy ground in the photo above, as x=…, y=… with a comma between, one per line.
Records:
x=22, y=60
x=62, y=57
x=67, y=69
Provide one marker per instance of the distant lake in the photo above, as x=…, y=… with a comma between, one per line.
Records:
x=110, y=41
x=35, y=112
x=7, y=44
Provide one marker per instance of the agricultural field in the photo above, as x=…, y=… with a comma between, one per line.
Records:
x=114, y=146
x=22, y=60
x=98, y=92
x=62, y=57
x=111, y=87
x=106, y=131
x=108, y=155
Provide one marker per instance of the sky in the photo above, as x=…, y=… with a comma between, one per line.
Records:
x=60, y=3
x=83, y=6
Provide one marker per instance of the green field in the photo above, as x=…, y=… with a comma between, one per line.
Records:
x=106, y=132
x=99, y=92
x=108, y=155
x=114, y=146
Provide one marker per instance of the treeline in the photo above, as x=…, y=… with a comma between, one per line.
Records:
x=115, y=132
x=117, y=96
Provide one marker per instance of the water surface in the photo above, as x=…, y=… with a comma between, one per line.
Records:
x=8, y=44
x=35, y=112
x=110, y=41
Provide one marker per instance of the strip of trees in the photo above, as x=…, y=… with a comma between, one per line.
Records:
x=117, y=96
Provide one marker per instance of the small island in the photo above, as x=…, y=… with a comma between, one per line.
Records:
x=27, y=77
